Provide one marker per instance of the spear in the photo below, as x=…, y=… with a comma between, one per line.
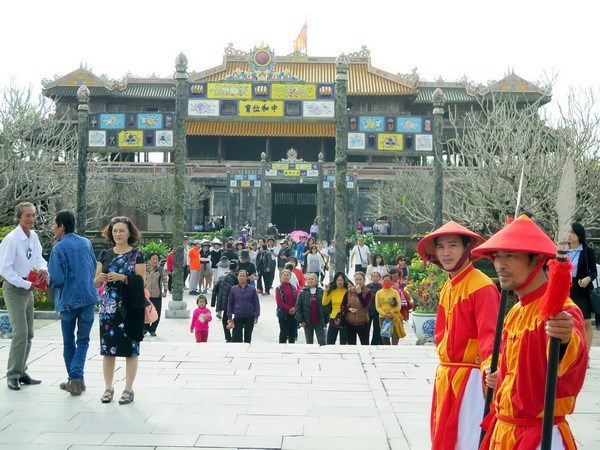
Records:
x=559, y=283
x=500, y=323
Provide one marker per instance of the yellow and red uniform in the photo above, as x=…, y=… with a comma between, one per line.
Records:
x=464, y=337
x=515, y=421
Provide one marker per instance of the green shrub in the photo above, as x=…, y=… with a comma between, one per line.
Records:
x=155, y=247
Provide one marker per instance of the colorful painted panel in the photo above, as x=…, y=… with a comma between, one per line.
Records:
x=423, y=142
x=409, y=125
x=97, y=138
x=149, y=121
x=261, y=108
x=229, y=90
x=370, y=124
x=131, y=138
x=203, y=107
x=389, y=141
x=164, y=138
x=245, y=180
x=112, y=121
x=356, y=141
x=318, y=109
x=293, y=91
x=427, y=125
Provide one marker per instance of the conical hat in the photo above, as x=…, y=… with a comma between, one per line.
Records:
x=426, y=247
x=521, y=235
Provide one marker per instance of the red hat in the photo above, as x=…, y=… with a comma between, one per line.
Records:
x=426, y=247
x=521, y=235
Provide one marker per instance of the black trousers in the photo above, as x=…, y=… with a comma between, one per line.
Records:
x=376, y=337
x=170, y=282
x=268, y=277
x=242, y=326
x=226, y=330
x=186, y=272
x=332, y=334
x=288, y=329
x=361, y=330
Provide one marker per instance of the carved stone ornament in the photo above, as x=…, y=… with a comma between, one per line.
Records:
x=438, y=98
x=342, y=63
x=364, y=52
x=292, y=156
x=230, y=50
x=181, y=63
x=83, y=94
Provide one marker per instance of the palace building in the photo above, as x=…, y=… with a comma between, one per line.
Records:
x=260, y=130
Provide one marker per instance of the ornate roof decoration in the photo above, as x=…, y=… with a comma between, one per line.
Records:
x=364, y=52
x=230, y=50
x=513, y=83
x=262, y=68
x=78, y=77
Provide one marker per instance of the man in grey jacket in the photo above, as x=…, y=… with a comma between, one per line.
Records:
x=72, y=268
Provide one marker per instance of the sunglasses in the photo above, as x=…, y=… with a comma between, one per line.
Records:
x=119, y=220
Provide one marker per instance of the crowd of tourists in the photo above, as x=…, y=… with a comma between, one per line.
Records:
x=332, y=307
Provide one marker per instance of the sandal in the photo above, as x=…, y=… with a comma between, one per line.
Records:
x=107, y=396
x=126, y=397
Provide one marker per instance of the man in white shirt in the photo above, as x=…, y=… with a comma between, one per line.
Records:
x=360, y=256
x=21, y=253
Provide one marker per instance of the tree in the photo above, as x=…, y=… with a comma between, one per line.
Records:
x=492, y=145
x=35, y=157
x=506, y=137
x=38, y=162
x=155, y=195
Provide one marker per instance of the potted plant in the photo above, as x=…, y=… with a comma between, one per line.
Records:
x=424, y=286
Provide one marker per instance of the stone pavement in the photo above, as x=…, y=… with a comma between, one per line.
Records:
x=238, y=396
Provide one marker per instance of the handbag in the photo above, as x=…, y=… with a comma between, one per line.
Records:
x=340, y=320
x=150, y=313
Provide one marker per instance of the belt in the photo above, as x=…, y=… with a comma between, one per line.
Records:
x=460, y=364
x=531, y=422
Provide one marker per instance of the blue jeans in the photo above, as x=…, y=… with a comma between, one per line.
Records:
x=75, y=350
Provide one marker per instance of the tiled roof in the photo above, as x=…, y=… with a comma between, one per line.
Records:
x=147, y=91
x=292, y=129
x=362, y=78
x=453, y=95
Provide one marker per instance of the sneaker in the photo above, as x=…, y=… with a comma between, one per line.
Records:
x=153, y=334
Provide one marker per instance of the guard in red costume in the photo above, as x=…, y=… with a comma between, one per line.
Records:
x=519, y=252
x=464, y=337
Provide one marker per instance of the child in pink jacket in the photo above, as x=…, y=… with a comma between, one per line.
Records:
x=200, y=320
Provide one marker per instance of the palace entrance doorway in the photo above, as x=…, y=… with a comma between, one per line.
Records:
x=294, y=206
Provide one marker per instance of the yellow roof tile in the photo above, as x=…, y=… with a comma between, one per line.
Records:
x=295, y=129
x=362, y=78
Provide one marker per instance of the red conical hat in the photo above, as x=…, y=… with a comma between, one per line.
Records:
x=521, y=235
x=426, y=247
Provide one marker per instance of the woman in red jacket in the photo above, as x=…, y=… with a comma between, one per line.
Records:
x=285, y=296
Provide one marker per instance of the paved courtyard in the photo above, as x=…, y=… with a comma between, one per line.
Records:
x=238, y=396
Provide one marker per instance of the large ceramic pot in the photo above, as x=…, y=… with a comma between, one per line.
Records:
x=423, y=324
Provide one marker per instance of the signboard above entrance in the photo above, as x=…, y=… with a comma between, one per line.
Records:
x=293, y=170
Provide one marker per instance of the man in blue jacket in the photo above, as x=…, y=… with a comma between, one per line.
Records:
x=72, y=268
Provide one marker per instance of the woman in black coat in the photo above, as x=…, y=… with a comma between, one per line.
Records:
x=584, y=272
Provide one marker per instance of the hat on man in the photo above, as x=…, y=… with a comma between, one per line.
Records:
x=224, y=262
x=426, y=246
x=244, y=254
x=521, y=235
x=216, y=241
x=283, y=241
x=271, y=239
x=233, y=264
x=196, y=241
